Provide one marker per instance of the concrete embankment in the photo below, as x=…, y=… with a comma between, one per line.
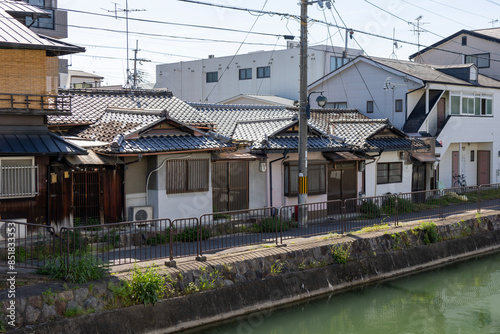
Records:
x=264, y=278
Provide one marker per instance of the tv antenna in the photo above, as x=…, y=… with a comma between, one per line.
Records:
x=493, y=22
x=417, y=30
x=395, y=45
x=140, y=60
x=125, y=10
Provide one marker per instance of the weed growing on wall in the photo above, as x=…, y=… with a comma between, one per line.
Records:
x=146, y=286
x=341, y=253
x=428, y=232
x=277, y=268
x=81, y=268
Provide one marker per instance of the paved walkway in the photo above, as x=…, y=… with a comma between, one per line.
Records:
x=258, y=251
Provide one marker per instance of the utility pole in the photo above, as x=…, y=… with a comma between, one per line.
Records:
x=126, y=11
x=303, y=107
x=140, y=60
x=302, y=197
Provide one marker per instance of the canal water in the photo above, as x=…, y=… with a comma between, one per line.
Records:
x=459, y=298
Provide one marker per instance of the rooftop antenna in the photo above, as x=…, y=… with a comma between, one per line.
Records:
x=493, y=22
x=126, y=11
x=416, y=29
x=140, y=60
x=395, y=45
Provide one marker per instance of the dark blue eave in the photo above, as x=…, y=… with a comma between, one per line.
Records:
x=42, y=143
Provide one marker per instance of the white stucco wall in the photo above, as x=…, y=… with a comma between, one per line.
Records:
x=257, y=186
x=187, y=80
x=279, y=197
x=374, y=189
x=349, y=86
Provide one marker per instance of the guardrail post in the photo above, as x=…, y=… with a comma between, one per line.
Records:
x=479, y=199
x=199, y=248
x=280, y=219
x=396, y=223
x=171, y=263
x=441, y=206
x=343, y=218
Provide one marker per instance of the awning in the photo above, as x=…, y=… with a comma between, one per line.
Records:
x=236, y=156
x=424, y=157
x=93, y=159
x=36, y=143
x=343, y=156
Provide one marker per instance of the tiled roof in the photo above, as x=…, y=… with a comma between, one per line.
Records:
x=13, y=34
x=88, y=106
x=227, y=116
x=153, y=144
x=395, y=143
x=114, y=122
x=258, y=130
x=321, y=118
x=355, y=132
x=314, y=143
x=33, y=142
x=431, y=73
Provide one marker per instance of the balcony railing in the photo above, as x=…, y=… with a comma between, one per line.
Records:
x=35, y=104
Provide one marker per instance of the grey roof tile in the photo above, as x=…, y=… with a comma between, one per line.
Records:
x=227, y=116
x=88, y=106
x=395, y=143
x=153, y=144
x=314, y=143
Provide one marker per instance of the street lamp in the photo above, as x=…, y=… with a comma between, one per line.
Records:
x=321, y=100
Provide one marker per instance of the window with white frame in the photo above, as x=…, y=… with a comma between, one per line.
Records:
x=18, y=177
x=471, y=104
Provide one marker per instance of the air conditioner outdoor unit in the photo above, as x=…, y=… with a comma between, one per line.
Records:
x=19, y=229
x=140, y=213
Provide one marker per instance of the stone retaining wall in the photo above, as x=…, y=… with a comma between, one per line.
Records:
x=251, y=284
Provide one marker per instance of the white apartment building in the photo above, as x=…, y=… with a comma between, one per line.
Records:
x=260, y=73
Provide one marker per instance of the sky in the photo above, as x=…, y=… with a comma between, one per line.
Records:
x=164, y=41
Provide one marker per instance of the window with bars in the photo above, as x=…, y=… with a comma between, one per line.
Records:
x=18, y=177
x=316, y=179
x=187, y=176
x=391, y=172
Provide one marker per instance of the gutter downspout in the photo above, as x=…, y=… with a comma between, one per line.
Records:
x=375, y=160
x=271, y=176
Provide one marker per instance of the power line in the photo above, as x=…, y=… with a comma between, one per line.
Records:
x=169, y=36
x=444, y=17
x=171, y=23
x=460, y=9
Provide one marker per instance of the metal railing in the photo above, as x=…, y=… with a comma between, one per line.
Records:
x=25, y=245
x=129, y=242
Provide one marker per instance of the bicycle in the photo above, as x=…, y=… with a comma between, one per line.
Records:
x=459, y=181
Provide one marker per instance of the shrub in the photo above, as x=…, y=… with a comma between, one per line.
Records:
x=112, y=237
x=74, y=241
x=158, y=239
x=370, y=209
x=389, y=205
x=270, y=224
x=146, y=286
x=191, y=234
x=82, y=267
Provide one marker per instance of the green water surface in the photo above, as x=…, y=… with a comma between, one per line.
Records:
x=460, y=298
